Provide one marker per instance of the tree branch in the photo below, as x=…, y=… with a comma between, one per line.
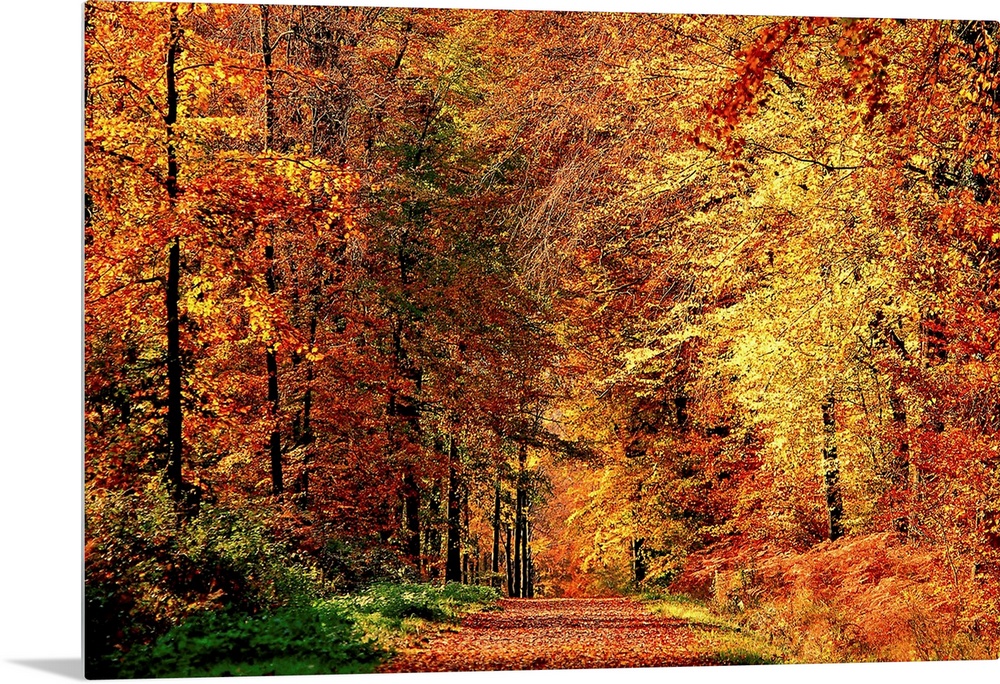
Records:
x=805, y=160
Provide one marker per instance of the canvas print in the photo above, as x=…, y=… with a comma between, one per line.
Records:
x=437, y=339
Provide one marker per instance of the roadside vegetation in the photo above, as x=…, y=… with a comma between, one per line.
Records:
x=718, y=638
x=345, y=634
x=873, y=598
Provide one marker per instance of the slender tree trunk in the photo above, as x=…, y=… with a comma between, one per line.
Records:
x=508, y=565
x=175, y=415
x=304, y=437
x=432, y=536
x=638, y=561
x=901, y=465
x=271, y=359
x=520, y=528
x=518, y=537
x=529, y=589
x=406, y=408
x=453, y=561
x=307, y=435
x=267, y=52
x=467, y=559
x=411, y=512
x=495, y=566
x=831, y=471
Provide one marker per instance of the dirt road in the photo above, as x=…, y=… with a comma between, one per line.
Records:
x=529, y=634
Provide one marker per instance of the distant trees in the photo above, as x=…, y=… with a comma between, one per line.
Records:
x=801, y=299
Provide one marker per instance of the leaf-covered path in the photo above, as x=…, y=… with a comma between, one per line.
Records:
x=556, y=633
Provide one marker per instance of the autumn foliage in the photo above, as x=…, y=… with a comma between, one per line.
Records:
x=568, y=304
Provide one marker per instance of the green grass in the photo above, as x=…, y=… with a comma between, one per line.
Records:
x=347, y=634
x=717, y=638
x=401, y=616
x=317, y=639
x=425, y=601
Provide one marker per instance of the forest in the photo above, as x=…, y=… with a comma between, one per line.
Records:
x=454, y=305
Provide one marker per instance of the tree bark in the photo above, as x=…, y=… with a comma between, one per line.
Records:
x=508, y=566
x=518, y=541
x=520, y=527
x=405, y=407
x=453, y=561
x=432, y=535
x=495, y=566
x=411, y=513
x=175, y=415
x=267, y=52
x=302, y=431
x=901, y=466
x=831, y=471
x=307, y=435
x=638, y=561
x=529, y=568
x=467, y=559
x=271, y=359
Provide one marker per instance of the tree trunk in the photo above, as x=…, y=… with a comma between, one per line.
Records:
x=432, y=535
x=467, y=560
x=307, y=436
x=518, y=541
x=453, y=562
x=405, y=407
x=175, y=415
x=900, y=467
x=508, y=566
x=277, y=486
x=271, y=360
x=411, y=514
x=638, y=561
x=529, y=589
x=831, y=471
x=520, y=527
x=266, y=49
x=495, y=567
x=175, y=442
x=304, y=434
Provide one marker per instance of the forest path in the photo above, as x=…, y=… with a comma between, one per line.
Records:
x=528, y=634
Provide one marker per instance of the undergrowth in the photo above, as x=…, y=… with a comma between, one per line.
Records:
x=717, y=639
x=146, y=572
x=318, y=639
x=399, y=616
x=860, y=599
x=346, y=634
x=220, y=595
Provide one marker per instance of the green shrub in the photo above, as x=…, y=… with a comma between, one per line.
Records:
x=318, y=639
x=146, y=570
x=424, y=601
x=470, y=593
